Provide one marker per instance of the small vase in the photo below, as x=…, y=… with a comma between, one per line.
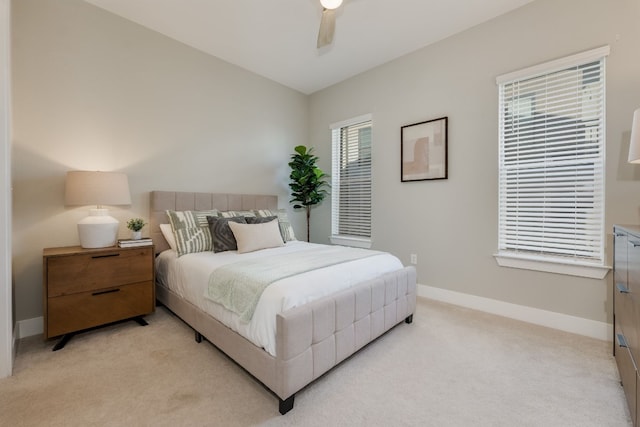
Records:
x=136, y=235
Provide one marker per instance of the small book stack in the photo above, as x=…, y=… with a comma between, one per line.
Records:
x=130, y=243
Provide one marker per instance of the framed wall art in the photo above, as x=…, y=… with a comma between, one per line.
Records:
x=423, y=150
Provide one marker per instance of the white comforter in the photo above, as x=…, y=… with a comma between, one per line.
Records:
x=188, y=276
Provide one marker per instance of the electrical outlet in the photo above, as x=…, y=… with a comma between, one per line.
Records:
x=414, y=259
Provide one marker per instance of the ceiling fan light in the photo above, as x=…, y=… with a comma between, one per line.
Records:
x=331, y=4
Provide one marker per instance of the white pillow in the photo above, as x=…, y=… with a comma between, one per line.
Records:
x=167, y=232
x=252, y=237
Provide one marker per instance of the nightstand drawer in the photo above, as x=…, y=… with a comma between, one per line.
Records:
x=91, y=271
x=84, y=310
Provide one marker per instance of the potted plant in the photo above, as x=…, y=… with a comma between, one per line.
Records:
x=308, y=181
x=135, y=225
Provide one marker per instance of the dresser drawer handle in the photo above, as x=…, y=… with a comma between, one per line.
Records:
x=622, y=288
x=620, y=234
x=110, y=291
x=622, y=342
x=635, y=243
x=111, y=255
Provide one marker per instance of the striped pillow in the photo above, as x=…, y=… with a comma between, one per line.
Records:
x=232, y=214
x=283, y=221
x=191, y=230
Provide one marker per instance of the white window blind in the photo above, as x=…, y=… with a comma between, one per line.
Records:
x=551, y=160
x=351, y=178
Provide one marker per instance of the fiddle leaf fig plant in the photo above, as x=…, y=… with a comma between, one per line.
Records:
x=308, y=182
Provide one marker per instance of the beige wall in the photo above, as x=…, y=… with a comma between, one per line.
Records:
x=452, y=224
x=93, y=91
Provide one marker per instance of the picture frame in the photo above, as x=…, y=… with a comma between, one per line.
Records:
x=424, y=150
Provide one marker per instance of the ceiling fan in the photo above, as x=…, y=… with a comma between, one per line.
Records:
x=328, y=21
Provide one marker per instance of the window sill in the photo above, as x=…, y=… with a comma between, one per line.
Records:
x=356, y=242
x=570, y=268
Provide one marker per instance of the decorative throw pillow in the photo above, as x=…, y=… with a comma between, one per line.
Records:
x=231, y=214
x=223, y=239
x=262, y=220
x=191, y=230
x=283, y=221
x=167, y=232
x=253, y=237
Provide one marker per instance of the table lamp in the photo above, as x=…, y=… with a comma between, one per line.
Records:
x=98, y=230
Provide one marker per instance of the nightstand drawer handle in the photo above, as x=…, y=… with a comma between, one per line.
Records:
x=635, y=243
x=105, y=256
x=110, y=291
x=622, y=288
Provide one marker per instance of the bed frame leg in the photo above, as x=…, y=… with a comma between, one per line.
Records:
x=287, y=404
x=409, y=319
x=198, y=337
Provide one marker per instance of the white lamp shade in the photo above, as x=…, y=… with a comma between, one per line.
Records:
x=331, y=4
x=96, y=188
x=634, y=146
x=98, y=230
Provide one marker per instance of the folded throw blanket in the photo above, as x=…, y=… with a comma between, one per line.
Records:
x=239, y=285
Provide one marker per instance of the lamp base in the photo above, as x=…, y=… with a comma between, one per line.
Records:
x=98, y=230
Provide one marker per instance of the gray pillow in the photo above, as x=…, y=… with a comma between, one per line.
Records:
x=262, y=220
x=223, y=239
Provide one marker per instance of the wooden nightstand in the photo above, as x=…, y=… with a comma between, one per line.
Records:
x=86, y=288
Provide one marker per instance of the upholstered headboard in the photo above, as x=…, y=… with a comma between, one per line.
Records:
x=161, y=201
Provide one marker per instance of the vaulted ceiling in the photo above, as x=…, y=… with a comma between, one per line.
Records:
x=277, y=38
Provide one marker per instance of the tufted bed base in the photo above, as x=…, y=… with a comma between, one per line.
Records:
x=311, y=339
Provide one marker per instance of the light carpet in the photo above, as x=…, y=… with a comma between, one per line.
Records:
x=451, y=367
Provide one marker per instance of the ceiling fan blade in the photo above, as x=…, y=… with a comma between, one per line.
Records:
x=327, y=27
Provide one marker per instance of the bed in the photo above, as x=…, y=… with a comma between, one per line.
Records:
x=309, y=338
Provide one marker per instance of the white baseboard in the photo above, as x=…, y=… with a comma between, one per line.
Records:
x=550, y=319
x=30, y=327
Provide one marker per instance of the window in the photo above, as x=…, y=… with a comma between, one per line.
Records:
x=551, y=166
x=351, y=182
